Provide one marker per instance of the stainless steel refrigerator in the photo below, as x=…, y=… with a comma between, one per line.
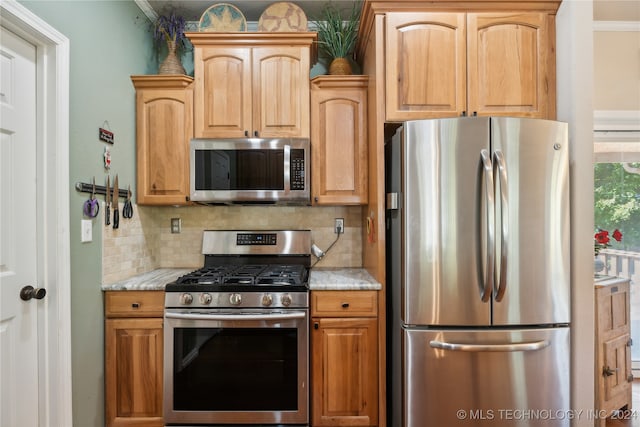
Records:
x=478, y=263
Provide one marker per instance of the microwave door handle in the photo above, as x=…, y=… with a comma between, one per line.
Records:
x=203, y=316
x=287, y=168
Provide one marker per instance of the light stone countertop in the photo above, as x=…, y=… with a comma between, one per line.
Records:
x=342, y=279
x=345, y=279
x=154, y=280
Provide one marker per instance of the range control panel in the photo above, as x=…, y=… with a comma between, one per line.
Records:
x=244, y=239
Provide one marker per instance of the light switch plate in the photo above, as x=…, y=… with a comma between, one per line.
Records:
x=86, y=231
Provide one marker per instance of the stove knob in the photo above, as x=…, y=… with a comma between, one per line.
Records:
x=205, y=299
x=186, y=299
x=235, y=299
x=267, y=299
x=286, y=300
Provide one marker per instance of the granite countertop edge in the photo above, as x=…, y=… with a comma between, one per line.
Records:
x=342, y=279
x=348, y=279
x=154, y=280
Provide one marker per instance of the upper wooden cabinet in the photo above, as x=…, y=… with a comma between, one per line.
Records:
x=426, y=65
x=449, y=64
x=251, y=84
x=164, y=126
x=339, y=140
x=511, y=64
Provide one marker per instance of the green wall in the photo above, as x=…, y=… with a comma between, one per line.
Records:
x=109, y=42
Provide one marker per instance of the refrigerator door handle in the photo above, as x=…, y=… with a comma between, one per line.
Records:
x=487, y=287
x=509, y=347
x=500, y=165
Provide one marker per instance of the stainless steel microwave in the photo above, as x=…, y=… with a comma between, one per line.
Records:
x=252, y=170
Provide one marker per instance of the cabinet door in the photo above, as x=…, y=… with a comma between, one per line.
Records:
x=133, y=372
x=281, y=92
x=222, y=92
x=617, y=369
x=164, y=127
x=339, y=145
x=426, y=65
x=510, y=65
x=344, y=374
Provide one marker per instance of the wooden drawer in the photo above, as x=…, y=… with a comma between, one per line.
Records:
x=134, y=303
x=344, y=303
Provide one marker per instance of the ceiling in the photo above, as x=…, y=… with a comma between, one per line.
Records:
x=603, y=10
x=251, y=9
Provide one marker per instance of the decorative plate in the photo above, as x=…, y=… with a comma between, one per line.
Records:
x=223, y=17
x=283, y=16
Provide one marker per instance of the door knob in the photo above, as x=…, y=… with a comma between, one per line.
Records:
x=29, y=292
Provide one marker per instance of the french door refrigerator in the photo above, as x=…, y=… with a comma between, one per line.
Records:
x=478, y=262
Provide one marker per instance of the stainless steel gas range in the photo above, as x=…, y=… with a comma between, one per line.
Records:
x=236, y=345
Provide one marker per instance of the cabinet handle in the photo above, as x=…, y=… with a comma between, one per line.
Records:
x=629, y=378
x=630, y=342
x=345, y=305
x=463, y=114
x=315, y=325
x=135, y=305
x=255, y=133
x=607, y=371
x=475, y=114
x=246, y=133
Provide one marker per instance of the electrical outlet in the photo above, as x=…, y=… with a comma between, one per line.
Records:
x=176, y=225
x=338, y=228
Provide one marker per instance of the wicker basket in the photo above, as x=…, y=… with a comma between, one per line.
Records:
x=340, y=66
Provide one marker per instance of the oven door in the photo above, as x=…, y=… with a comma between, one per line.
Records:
x=236, y=367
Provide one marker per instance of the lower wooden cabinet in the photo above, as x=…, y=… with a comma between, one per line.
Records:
x=344, y=358
x=613, y=348
x=133, y=358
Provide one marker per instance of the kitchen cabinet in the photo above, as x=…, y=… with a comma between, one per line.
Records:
x=613, y=346
x=344, y=358
x=164, y=127
x=252, y=84
x=339, y=140
x=133, y=358
x=443, y=64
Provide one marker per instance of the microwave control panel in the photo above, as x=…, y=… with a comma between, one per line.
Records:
x=297, y=169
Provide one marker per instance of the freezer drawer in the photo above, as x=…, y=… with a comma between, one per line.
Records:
x=486, y=377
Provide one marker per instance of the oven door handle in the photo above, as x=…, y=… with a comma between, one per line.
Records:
x=200, y=316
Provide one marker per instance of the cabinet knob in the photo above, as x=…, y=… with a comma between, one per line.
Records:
x=255, y=133
x=345, y=305
x=153, y=186
x=607, y=371
x=463, y=114
x=135, y=305
x=246, y=133
x=315, y=325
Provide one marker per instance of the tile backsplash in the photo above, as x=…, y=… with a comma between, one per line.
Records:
x=145, y=242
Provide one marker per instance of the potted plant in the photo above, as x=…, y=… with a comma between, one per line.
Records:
x=337, y=35
x=169, y=29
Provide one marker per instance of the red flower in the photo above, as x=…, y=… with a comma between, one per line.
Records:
x=602, y=237
x=617, y=235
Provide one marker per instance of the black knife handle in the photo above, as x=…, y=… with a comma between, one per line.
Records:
x=106, y=215
x=116, y=218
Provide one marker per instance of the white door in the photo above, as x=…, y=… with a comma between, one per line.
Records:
x=18, y=250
